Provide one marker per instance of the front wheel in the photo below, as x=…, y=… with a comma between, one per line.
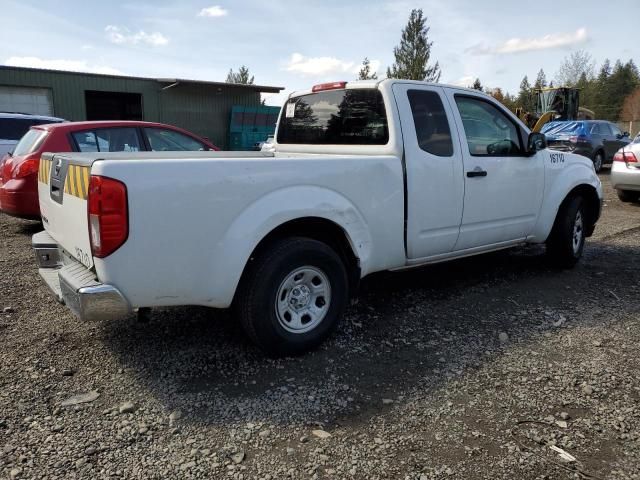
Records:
x=628, y=195
x=292, y=296
x=566, y=242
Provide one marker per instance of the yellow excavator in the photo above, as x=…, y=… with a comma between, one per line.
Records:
x=554, y=104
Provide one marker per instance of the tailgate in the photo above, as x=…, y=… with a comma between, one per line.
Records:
x=63, y=184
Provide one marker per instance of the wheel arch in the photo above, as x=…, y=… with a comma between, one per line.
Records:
x=592, y=205
x=317, y=228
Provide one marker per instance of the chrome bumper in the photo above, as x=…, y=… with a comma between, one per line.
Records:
x=76, y=286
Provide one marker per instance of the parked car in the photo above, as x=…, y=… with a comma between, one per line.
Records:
x=19, y=172
x=14, y=125
x=597, y=139
x=366, y=176
x=265, y=145
x=625, y=172
x=268, y=145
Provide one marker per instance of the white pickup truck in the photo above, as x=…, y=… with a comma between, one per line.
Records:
x=366, y=176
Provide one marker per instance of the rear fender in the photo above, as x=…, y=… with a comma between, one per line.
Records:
x=269, y=212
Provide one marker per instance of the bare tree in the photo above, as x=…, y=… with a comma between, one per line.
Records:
x=573, y=67
x=631, y=107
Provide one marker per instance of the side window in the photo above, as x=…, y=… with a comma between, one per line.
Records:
x=605, y=129
x=164, y=140
x=430, y=121
x=86, y=141
x=488, y=129
x=118, y=140
x=595, y=129
x=615, y=129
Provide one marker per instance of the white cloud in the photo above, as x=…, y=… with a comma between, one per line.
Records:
x=122, y=36
x=61, y=64
x=323, y=66
x=519, y=45
x=214, y=11
x=465, y=81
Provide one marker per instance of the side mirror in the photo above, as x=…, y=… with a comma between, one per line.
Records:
x=626, y=134
x=537, y=141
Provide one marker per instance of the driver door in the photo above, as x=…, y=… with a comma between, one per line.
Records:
x=503, y=187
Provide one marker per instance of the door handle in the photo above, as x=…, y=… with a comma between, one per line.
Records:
x=477, y=172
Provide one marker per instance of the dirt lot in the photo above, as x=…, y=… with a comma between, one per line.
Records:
x=431, y=375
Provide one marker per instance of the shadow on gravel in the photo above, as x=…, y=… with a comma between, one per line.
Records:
x=416, y=328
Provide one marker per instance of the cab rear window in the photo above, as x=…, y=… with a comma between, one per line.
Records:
x=335, y=117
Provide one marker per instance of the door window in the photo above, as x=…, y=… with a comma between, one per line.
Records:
x=489, y=131
x=108, y=140
x=430, y=121
x=164, y=140
x=605, y=129
x=616, y=131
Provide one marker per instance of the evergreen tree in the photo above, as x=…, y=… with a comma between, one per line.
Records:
x=412, y=55
x=241, y=77
x=365, y=72
x=525, y=97
x=541, y=80
x=477, y=85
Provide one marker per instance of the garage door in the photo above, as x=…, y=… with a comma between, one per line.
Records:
x=37, y=101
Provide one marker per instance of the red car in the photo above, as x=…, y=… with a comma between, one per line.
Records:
x=19, y=170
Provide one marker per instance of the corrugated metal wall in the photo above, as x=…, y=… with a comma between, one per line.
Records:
x=200, y=108
x=204, y=110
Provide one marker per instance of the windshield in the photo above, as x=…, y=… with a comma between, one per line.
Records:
x=336, y=117
x=30, y=142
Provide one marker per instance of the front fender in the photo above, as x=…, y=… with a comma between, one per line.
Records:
x=559, y=182
x=268, y=212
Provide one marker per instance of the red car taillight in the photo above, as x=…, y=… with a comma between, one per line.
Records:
x=108, y=215
x=578, y=138
x=626, y=157
x=26, y=166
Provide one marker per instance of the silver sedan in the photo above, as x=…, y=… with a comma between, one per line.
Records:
x=625, y=172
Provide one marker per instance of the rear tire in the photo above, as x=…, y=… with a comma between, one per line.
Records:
x=598, y=161
x=566, y=242
x=292, y=296
x=628, y=195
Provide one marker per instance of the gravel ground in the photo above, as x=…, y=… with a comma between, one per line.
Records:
x=466, y=370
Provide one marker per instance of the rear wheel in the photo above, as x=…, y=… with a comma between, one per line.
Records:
x=292, y=296
x=566, y=242
x=628, y=195
x=598, y=161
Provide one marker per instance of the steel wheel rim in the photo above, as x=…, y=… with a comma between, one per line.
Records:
x=578, y=232
x=303, y=299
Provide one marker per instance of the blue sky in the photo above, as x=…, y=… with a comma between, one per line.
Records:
x=295, y=44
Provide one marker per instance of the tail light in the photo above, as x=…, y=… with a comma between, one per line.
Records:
x=626, y=157
x=108, y=215
x=578, y=138
x=328, y=86
x=26, y=166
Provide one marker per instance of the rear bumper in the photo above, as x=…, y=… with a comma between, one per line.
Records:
x=625, y=178
x=75, y=286
x=19, y=199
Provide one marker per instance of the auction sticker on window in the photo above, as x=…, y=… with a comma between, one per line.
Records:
x=291, y=110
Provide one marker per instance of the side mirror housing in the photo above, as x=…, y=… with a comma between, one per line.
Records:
x=537, y=141
x=626, y=134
